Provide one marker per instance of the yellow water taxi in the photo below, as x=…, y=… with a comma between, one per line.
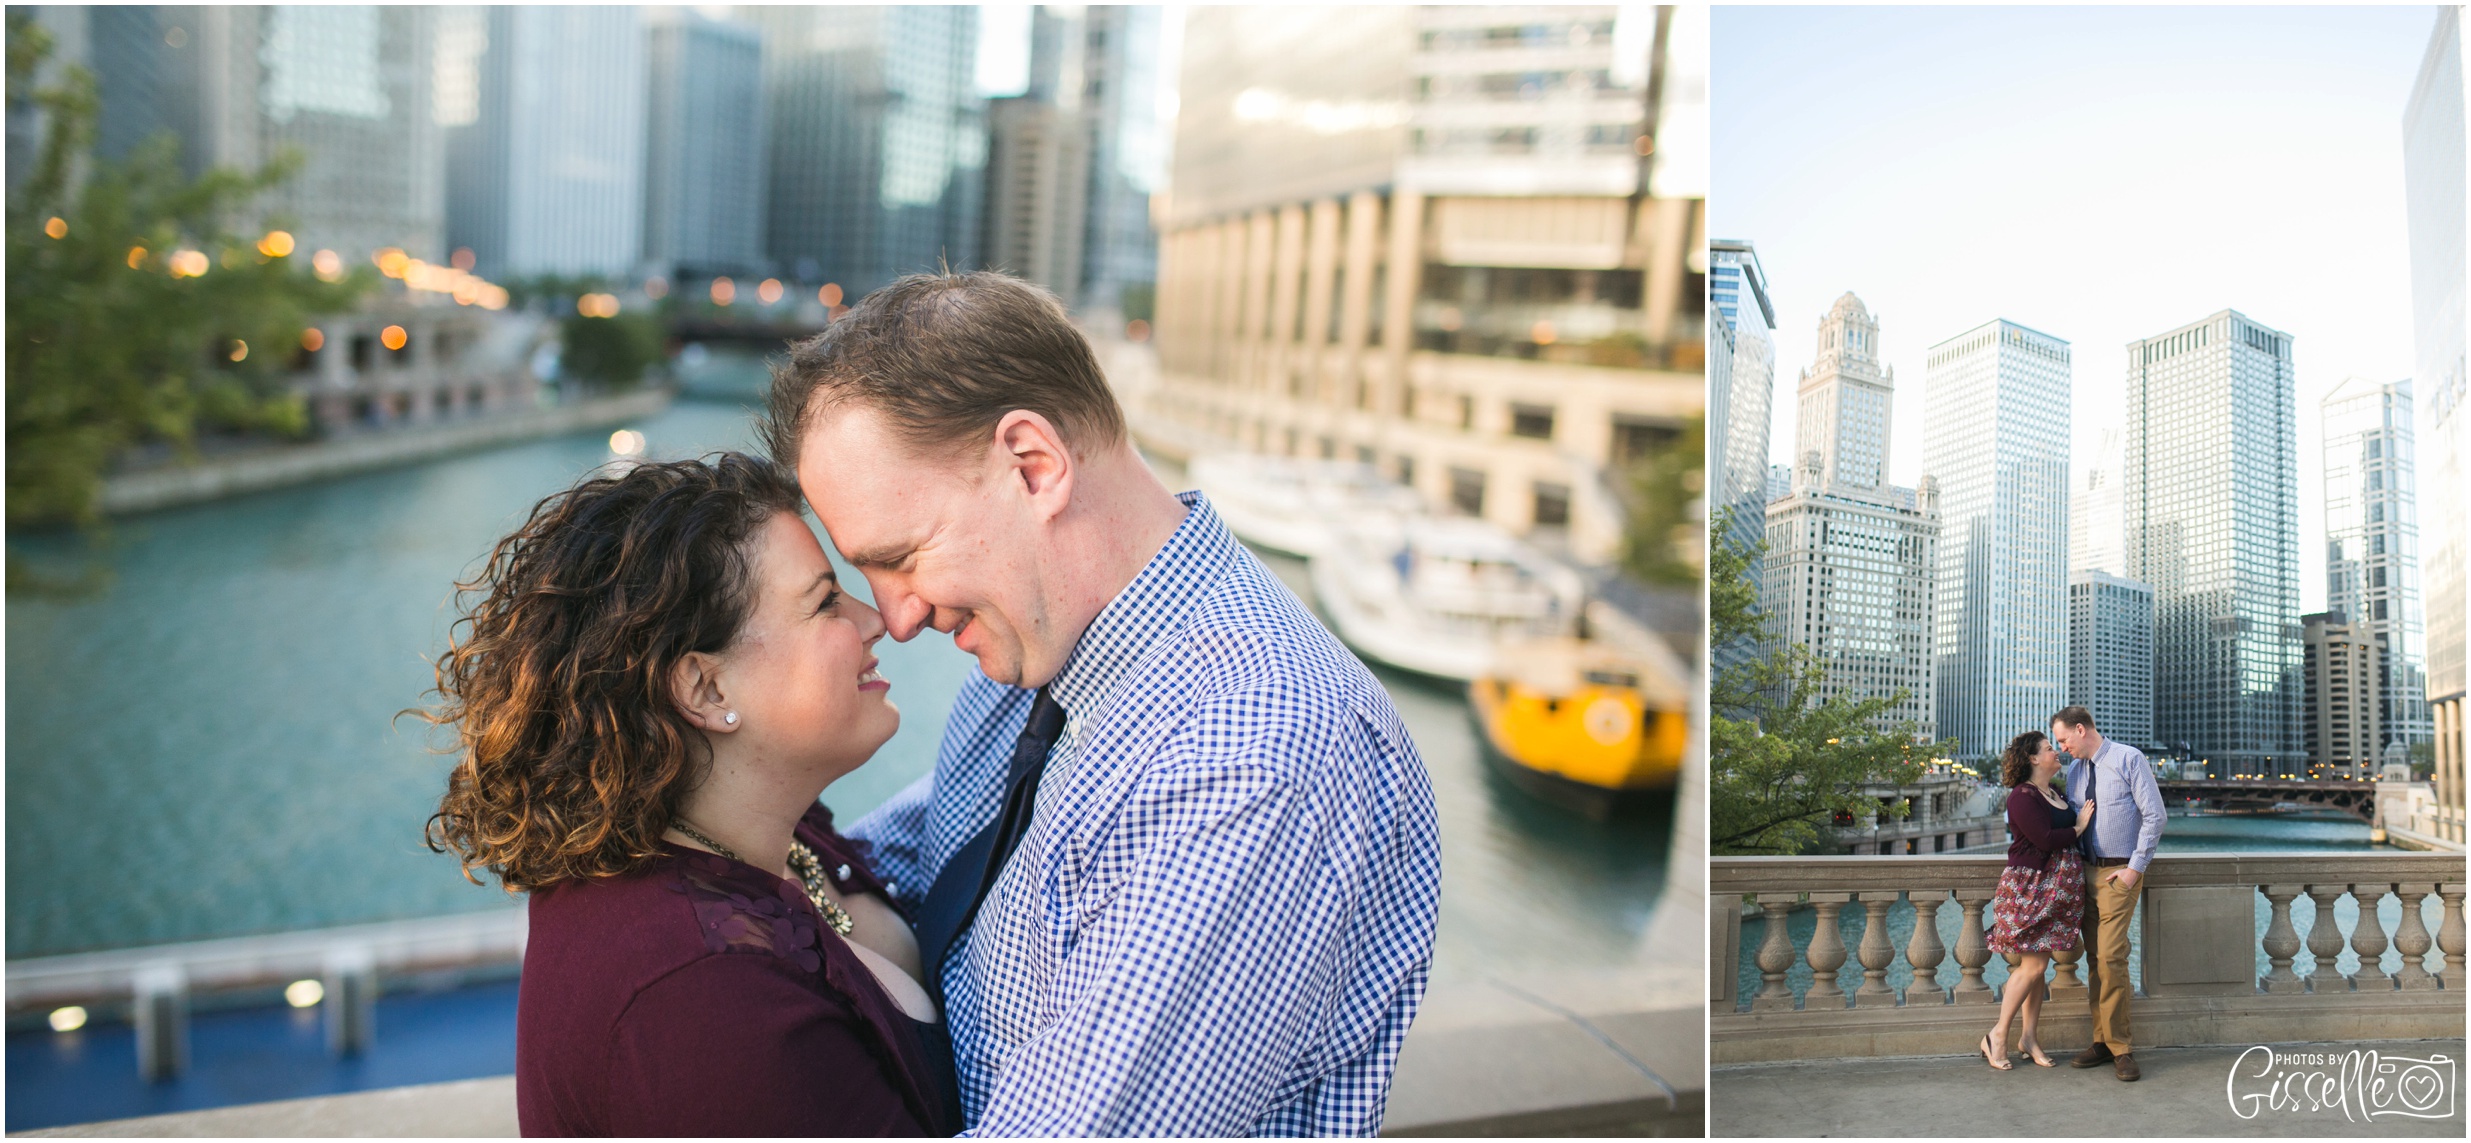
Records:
x=1582, y=724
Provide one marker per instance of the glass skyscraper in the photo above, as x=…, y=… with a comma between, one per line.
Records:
x=1995, y=419
x=2432, y=160
x=2111, y=654
x=2211, y=500
x=1740, y=396
x=2372, y=568
x=548, y=175
x=704, y=154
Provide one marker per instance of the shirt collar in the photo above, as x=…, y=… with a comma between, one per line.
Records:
x=1149, y=609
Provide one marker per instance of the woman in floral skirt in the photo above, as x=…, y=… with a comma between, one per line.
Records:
x=2041, y=893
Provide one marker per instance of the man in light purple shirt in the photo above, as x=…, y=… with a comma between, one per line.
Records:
x=2126, y=828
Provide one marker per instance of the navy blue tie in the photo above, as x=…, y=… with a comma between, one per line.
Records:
x=952, y=903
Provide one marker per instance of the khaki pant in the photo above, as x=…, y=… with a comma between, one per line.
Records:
x=2109, y=908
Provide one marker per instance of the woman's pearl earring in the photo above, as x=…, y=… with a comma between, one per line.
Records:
x=731, y=718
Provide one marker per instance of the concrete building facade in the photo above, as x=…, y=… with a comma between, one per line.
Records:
x=1995, y=426
x=548, y=175
x=2340, y=699
x=877, y=142
x=704, y=148
x=1848, y=575
x=1503, y=353
x=2111, y=654
x=2211, y=490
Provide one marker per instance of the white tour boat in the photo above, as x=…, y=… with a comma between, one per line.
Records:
x=1440, y=595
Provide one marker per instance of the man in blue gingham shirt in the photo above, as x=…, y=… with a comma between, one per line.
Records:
x=1221, y=916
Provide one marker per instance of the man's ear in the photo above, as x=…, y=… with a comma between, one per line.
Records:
x=1033, y=452
x=695, y=685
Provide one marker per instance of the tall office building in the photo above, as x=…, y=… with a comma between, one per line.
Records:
x=878, y=141
x=1739, y=395
x=1850, y=558
x=2372, y=540
x=2340, y=731
x=2111, y=654
x=1848, y=575
x=1480, y=288
x=1996, y=421
x=704, y=146
x=547, y=177
x=2211, y=489
x=1842, y=410
x=1128, y=159
x=348, y=88
x=2432, y=157
x=2097, y=520
x=1039, y=162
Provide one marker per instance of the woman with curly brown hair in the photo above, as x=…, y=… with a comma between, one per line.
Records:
x=2041, y=892
x=660, y=678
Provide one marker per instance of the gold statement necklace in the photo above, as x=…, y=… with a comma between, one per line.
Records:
x=802, y=861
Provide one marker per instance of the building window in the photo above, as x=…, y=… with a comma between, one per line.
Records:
x=1534, y=421
x=1467, y=411
x=1552, y=505
x=1407, y=470
x=1636, y=437
x=1467, y=491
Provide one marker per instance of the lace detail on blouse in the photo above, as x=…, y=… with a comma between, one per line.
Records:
x=735, y=920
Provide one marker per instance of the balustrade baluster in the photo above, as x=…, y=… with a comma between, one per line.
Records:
x=2063, y=963
x=2281, y=941
x=2325, y=941
x=1827, y=954
x=1876, y=952
x=1924, y=952
x=1972, y=952
x=2411, y=939
x=2368, y=940
x=1775, y=956
x=2449, y=933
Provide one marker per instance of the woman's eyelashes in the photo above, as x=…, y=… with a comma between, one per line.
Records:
x=831, y=596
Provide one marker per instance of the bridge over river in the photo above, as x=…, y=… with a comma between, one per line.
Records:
x=2358, y=799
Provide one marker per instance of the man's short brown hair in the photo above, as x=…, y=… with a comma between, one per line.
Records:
x=944, y=357
x=2075, y=716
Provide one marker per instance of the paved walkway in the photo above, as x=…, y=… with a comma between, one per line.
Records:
x=2185, y=1091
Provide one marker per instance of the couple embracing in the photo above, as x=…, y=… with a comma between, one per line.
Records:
x=2082, y=836
x=1175, y=871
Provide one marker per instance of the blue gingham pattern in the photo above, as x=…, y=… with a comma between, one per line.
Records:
x=1221, y=918
x=2128, y=823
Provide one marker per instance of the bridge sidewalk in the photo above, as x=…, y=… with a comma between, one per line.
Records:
x=2184, y=1092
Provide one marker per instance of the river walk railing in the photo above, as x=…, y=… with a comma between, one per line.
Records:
x=157, y=985
x=2197, y=961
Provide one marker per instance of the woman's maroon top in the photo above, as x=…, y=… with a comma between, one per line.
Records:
x=2037, y=828
x=703, y=996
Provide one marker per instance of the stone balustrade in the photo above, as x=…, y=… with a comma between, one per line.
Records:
x=2197, y=961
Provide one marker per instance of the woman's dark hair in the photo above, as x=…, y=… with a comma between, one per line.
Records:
x=575, y=754
x=2016, y=765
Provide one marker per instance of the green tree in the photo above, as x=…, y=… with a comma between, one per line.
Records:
x=611, y=351
x=1664, y=484
x=135, y=315
x=1783, y=761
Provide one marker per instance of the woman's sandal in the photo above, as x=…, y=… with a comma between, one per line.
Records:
x=2001, y=1065
x=2040, y=1058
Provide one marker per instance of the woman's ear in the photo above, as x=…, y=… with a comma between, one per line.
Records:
x=695, y=685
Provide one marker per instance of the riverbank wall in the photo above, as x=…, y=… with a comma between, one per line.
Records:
x=282, y=467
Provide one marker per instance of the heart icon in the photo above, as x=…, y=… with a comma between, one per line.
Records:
x=2420, y=1087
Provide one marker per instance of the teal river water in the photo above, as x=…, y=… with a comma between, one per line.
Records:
x=2279, y=833
x=208, y=747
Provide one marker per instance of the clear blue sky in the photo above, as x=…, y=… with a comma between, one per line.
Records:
x=2099, y=174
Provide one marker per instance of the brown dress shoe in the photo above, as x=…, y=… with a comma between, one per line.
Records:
x=2125, y=1065
x=2092, y=1056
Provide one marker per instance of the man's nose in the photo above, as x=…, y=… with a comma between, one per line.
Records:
x=904, y=614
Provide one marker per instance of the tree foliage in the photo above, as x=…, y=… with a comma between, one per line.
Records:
x=1664, y=484
x=1783, y=761
x=108, y=346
